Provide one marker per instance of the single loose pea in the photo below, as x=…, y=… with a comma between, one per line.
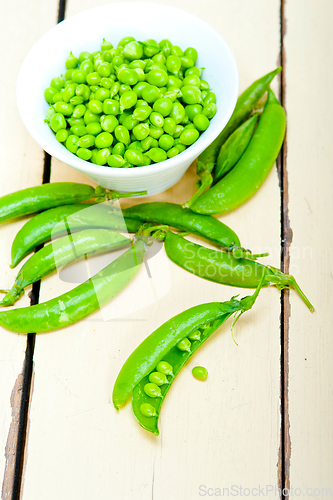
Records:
x=49, y=113
x=58, y=122
x=157, y=155
x=128, y=99
x=151, y=93
x=86, y=141
x=195, y=335
x=210, y=110
x=150, y=47
x=173, y=152
x=134, y=157
x=179, y=146
x=75, y=121
x=163, y=106
x=84, y=153
x=109, y=123
x=114, y=89
x=68, y=74
x=177, y=112
x=141, y=74
x=49, y=93
x=157, y=77
x=138, y=64
x=101, y=94
x=115, y=161
x=124, y=41
x=191, y=94
x=192, y=53
x=156, y=119
x=93, y=155
x=71, y=61
x=64, y=107
x=155, y=132
x=148, y=410
x=201, y=122
x=111, y=107
x=204, y=85
x=89, y=117
x=72, y=143
x=141, y=113
x=152, y=390
x=141, y=131
x=122, y=117
x=200, y=372
x=57, y=83
x=83, y=91
x=164, y=367
x=189, y=136
x=122, y=135
x=62, y=135
x=166, y=142
x=158, y=378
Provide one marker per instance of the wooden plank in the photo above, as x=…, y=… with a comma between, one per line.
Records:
x=21, y=166
x=308, y=46
x=214, y=435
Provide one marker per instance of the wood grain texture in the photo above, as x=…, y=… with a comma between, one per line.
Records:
x=309, y=45
x=216, y=434
x=21, y=24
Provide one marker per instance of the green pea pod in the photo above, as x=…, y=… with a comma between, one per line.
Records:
x=35, y=199
x=234, y=147
x=174, y=215
x=79, y=302
x=60, y=253
x=244, y=107
x=224, y=268
x=249, y=173
x=163, y=345
x=58, y=221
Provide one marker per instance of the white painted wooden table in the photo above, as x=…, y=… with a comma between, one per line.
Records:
x=263, y=420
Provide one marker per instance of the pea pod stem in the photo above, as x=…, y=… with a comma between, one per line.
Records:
x=206, y=181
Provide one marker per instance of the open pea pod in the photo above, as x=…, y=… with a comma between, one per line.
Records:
x=152, y=367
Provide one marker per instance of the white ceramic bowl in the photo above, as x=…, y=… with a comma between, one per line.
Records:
x=142, y=20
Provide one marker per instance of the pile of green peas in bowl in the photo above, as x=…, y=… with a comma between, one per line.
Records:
x=130, y=106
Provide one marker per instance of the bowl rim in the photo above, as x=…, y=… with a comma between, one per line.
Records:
x=87, y=167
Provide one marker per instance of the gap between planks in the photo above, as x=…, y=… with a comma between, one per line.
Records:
x=286, y=239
